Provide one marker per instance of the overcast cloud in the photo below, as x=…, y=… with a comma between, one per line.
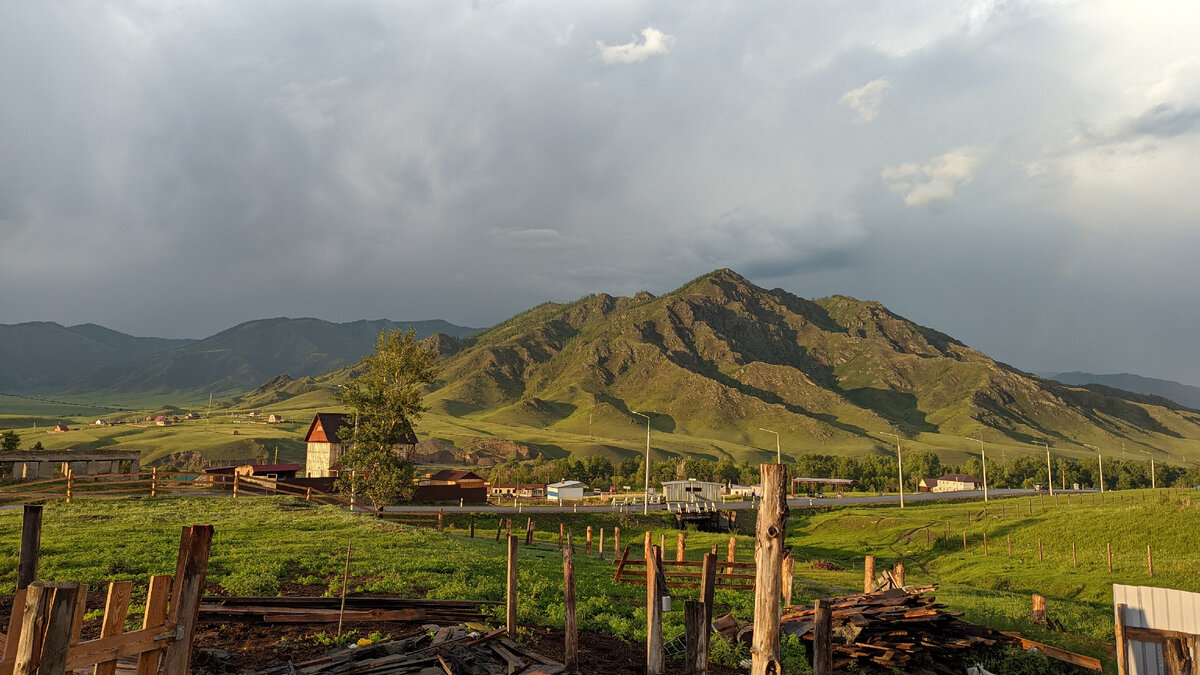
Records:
x=1020, y=175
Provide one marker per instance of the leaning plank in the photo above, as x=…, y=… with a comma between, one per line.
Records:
x=154, y=618
x=119, y=646
x=116, y=606
x=1060, y=654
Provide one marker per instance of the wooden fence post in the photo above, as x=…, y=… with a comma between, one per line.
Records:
x=616, y=542
x=731, y=554
x=440, y=514
x=1008, y=540
x=1039, y=549
x=927, y=536
x=788, y=579
x=869, y=574
x=116, y=606
x=499, y=528
x=31, y=545
x=155, y=616
x=529, y=532
x=1039, y=608
x=696, y=636
x=510, y=605
x=600, y=547
x=985, y=542
x=508, y=527
x=235, y=491
x=654, y=637
x=562, y=531
x=1119, y=629
x=570, y=627
x=154, y=482
x=679, y=546
x=46, y=627
x=770, y=532
x=472, y=525
x=646, y=543
x=308, y=495
x=190, y=569
x=898, y=574
x=708, y=587
x=822, y=638
x=70, y=484
x=964, y=541
x=588, y=547
x=1074, y=557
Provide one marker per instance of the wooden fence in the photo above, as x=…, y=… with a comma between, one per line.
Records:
x=685, y=573
x=154, y=483
x=47, y=617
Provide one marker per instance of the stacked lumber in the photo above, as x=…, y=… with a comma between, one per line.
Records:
x=455, y=650
x=327, y=610
x=896, y=630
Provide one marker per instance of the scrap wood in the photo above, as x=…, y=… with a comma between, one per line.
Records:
x=894, y=628
x=456, y=650
x=327, y=610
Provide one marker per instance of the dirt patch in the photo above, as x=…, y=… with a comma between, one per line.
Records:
x=826, y=565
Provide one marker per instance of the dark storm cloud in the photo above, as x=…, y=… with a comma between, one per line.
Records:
x=175, y=170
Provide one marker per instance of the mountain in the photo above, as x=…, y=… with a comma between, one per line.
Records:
x=34, y=353
x=721, y=357
x=242, y=357
x=1178, y=392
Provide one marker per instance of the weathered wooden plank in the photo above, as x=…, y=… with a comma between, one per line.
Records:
x=116, y=607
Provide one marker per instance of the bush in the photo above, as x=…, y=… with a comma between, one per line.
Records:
x=728, y=653
x=793, y=656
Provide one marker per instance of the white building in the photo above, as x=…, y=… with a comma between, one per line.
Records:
x=692, y=490
x=567, y=490
x=955, y=482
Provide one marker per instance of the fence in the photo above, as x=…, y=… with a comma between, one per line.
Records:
x=46, y=621
x=1157, y=629
x=156, y=482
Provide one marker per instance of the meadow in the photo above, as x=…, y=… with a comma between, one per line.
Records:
x=265, y=546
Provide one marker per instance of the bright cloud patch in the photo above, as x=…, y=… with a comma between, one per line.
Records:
x=922, y=184
x=866, y=99
x=654, y=42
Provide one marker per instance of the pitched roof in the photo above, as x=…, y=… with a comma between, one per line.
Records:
x=565, y=483
x=329, y=423
x=455, y=475
x=960, y=478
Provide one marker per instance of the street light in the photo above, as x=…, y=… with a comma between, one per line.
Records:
x=899, y=465
x=646, y=494
x=778, y=455
x=1101, y=458
x=1152, y=484
x=1049, y=472
x=983, y=454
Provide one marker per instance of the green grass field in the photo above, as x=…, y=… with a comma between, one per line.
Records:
x=266, y=545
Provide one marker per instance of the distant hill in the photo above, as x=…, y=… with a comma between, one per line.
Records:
x=1178, y=392
x=720, y=357
x=35, y=353
x=243, y=357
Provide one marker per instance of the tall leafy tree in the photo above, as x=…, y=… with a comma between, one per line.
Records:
x=9, y=441
x=385, y=401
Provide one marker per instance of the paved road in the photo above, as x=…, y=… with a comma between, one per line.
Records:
x=802, y=502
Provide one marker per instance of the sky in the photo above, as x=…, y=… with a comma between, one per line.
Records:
x=1020, y=175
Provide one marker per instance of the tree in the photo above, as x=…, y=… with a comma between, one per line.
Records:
x=9, y=441
x=385, y=400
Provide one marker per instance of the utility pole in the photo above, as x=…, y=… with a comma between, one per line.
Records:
x=899, y=465
x=983, y=454
x=1152, y=481
x=778, y=455
x=1049, y=471
x=1101, y=458
x=646, y=500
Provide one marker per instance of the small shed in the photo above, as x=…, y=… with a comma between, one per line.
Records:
x=926, y=485
x=692, y=490
x=564, y=491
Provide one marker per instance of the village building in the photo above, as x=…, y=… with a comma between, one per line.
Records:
x=452, y=486
x=955, y=482
x=325, y=446
x=563, y=491
x=524, y=490
x=692, y=490
x=275, y=419
x=926, y=485
x=60, y=428
x=735, y=490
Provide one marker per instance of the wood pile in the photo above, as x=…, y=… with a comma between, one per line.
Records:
x=450, y=650
x=327, y=610
x=896, y=630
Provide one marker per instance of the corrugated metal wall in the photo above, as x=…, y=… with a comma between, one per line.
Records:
x=1161, y=608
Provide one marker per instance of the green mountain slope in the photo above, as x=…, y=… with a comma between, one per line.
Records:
x=721, y=357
